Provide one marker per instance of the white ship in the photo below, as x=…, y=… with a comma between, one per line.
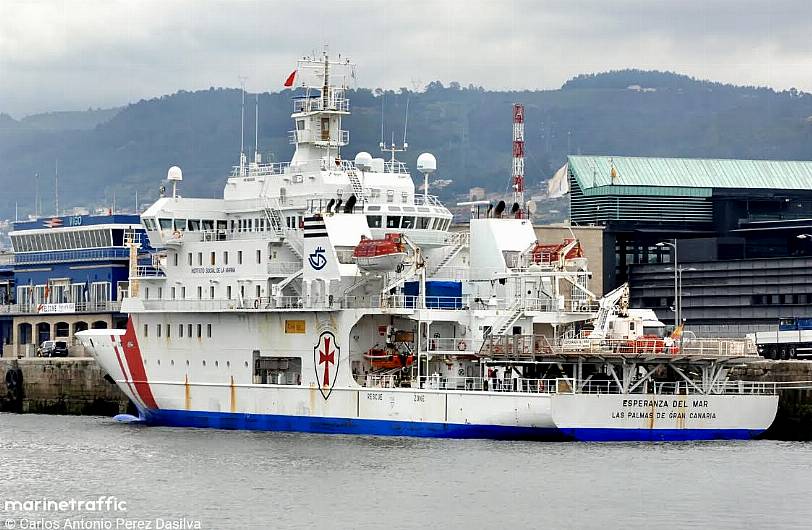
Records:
x=261, y=312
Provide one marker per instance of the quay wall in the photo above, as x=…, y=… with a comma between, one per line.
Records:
x=794, y=419
x=69, y=385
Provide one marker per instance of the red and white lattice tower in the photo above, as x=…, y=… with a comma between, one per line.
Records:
x=518, y=157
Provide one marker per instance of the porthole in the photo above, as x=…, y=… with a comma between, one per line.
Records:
x=172, y=363
x=228, y=364
x=216, y=364
x=246, y=364
x=204, y=363
x=145, y=362
x=187, y=362
x=159, y=362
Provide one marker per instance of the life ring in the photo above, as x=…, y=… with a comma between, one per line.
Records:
x=256, y=303
x=461, y=346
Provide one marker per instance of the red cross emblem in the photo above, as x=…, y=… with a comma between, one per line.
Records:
x=326, y=353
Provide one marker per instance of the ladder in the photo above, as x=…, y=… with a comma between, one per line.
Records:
x=459, y=241
x=357, y=189
x=514, y=312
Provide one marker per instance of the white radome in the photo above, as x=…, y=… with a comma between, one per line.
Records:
x=174, y=173
x=426, y=163
x=363, y=161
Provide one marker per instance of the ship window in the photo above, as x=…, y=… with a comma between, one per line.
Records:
x=200, y=258
x=199, y=330
x=189, y=258
x=259, y=291
x=180, y=224
x=404, y=197
x=146, y=293
x=147, y=223
x=212, y=258
x=374, y=209
x=180, y=330
x=408, y=222
x=160, y=293
x=183, y=293
x=173, y=293
x=199, y=292
x=259, y=256
x=221, y=225
x=422, y=223
x=208, y=224
x=146, y=330
x=228, y=292
x=166, y=224
x=208, y=330
x=158, y=329
x=239, y=257
x=392, y=221
x=374, y=221
x=175, y=259
x=168, y=330
x=194, y=225
x=408, y=208
x=211, y=292
x=300, y=125
x=374, y=193
x=390, y=195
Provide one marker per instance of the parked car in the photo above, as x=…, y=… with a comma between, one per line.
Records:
x=53, y=348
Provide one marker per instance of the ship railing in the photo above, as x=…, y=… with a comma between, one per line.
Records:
x=260, y=170
x=149, y=271
x=497, y=384
x=23, y=258
x=423, y=200
x=519, y=346
x=397, y=167
x=450, y=345
x=316, y=104
x=100, y=306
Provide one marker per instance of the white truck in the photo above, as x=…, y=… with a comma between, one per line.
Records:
x=792, y=339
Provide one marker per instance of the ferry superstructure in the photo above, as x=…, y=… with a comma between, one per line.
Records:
x=328, y=295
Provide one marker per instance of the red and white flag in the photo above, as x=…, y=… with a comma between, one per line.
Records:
x=290, y=79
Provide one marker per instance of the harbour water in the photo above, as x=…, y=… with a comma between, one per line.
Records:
x=229, y=479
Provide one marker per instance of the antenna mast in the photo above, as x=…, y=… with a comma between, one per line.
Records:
x=36, y=195
x=257, y=158
x=242, y=128
x=518, y=158
x=56, y=187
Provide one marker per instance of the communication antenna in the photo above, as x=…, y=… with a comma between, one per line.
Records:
x=175, y=175
x=406, y=123
x=36, y=195
x=56, y=187
x=518, y=158
x=381, y=144
x=257, y=157
x=242, y=127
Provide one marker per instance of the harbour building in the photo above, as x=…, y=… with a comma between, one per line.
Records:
x=66, y=274
x=740, y=232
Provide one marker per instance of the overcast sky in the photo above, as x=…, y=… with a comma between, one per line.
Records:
x=72, y=54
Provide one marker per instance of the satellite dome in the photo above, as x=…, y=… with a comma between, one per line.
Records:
x=426, y=163
x=363, y=161
x=174, y=173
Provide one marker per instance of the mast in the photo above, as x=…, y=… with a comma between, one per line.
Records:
x=517, y=179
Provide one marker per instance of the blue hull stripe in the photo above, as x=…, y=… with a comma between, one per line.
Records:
x=314, y=424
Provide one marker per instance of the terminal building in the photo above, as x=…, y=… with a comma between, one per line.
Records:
x=66, y=274
x=740, y=231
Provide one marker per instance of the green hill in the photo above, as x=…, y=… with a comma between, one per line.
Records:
x=628, y=112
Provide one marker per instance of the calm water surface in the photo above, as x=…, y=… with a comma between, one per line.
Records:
x=228, y=479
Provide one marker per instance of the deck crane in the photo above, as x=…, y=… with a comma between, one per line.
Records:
x=617, y=301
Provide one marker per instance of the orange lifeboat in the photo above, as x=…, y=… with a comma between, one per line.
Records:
x=547, y=254
x=380, y=358
x=380, y=255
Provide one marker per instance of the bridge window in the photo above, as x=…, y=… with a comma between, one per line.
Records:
x=208, y=224
x=374, y=221
x=423, y=222
x=180, y=224
x=392, y=221
x=408, y=222
x=166, y=224
x=194, y=225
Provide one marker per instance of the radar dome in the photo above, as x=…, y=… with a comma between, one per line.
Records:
x=426, y=163
x=174, y=173
x=363, y=161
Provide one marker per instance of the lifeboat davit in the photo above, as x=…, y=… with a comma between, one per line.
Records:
x=380, y=255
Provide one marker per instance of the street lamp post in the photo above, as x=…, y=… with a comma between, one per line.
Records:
x=678, y=300
x=676, y=279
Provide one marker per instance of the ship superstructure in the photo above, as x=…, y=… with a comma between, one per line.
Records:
x=327, y=295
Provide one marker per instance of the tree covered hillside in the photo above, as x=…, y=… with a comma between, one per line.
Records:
x=469, y=130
